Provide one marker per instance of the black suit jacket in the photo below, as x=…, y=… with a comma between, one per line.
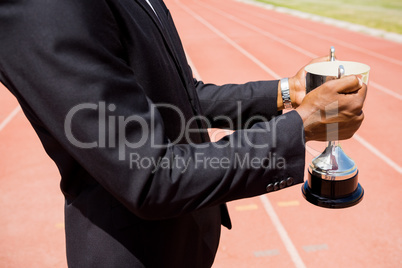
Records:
x=106, y=86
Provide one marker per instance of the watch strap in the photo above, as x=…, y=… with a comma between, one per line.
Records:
x=287, y=103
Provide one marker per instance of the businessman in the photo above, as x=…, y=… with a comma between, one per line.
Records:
x=107, y=88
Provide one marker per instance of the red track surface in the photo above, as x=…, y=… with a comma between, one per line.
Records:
x=229, y=41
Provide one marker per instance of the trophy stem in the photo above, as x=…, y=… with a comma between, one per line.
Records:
x=335, y=148
x=333, y=143
x=333, y=179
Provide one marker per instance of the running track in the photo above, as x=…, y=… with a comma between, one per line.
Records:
x=227, y=41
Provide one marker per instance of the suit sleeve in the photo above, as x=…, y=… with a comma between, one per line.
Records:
x=64, y=61
x=244, y=104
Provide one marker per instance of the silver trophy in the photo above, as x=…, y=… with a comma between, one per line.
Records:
x=333, y=176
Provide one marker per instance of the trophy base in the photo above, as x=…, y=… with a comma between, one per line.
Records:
x=343, y=202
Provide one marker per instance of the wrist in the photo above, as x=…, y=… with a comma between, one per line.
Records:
x=304, y=116
x=292, y=91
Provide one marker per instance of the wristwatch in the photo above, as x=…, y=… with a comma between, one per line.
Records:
x=287, y=103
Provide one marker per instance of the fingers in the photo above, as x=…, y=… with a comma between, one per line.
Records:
x=362, y=93
x=353, y=103
x=344, y=128
x=350, y=127
x=346, y=85
x=337, y=102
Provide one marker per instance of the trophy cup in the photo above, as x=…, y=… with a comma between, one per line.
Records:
x=333, y=176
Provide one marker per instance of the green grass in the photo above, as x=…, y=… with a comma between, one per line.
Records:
x=380, y=14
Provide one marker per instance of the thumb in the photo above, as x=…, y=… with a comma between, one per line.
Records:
x=348, y=84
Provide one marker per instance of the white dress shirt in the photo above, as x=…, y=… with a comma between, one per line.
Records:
x=149, y=3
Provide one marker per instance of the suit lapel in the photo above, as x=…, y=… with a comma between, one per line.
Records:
x=161, y=21
x=150, y=12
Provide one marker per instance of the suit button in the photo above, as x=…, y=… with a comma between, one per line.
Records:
x=282, y=184
x=289, y=181
x=276, y=186
x=270, y=188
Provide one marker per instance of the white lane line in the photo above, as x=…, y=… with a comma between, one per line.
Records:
x=314, y=34
x=303, y=51
x=377, y=152
x=258, y=30
x=230, y=41
x=282, y=233
x=9, y=117
x=264, y=199
x=314, y=248
x=267, y=204
x=385, y=90
x=363, y=142
x=265, y=253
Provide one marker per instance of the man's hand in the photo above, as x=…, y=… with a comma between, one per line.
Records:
x=297, y=83
x=337, y=102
